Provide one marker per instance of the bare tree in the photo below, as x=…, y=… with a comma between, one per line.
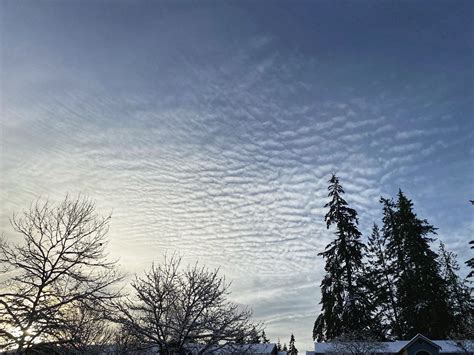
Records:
x=465, y=346
x=126, y=341
x=462, y=340
x=88, y=331
x=175, y=309
x=60, y=267
x=355, y=343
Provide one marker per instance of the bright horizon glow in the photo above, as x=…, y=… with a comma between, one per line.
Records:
x=212, y=129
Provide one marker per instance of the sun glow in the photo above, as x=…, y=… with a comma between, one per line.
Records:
x=27, y=334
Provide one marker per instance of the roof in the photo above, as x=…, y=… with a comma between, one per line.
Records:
x=329, y=347
x=445, y=346
x=236, y=348
x=453, y=346
x=420, y=336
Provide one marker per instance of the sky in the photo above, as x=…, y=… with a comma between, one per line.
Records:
x=211, y=128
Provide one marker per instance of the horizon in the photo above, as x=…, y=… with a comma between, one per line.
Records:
x=211, y=130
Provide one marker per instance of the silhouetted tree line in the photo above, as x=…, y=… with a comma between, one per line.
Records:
x=261, y=338
x=290, y=349
x=396, y=285
x=60, y=293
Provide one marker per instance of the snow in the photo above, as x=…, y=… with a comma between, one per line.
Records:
x=447, y=346
x=255, y=349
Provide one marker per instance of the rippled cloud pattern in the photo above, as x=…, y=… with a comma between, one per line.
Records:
x=212, y=128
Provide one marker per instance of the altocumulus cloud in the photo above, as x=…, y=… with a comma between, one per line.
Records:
x=212, y=131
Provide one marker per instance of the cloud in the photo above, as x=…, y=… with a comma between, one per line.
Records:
x=219, y=143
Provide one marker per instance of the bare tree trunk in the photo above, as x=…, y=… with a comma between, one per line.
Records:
x=60, y=266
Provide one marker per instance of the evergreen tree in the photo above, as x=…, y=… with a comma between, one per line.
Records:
x=343, y=305
x=264, y=338
x=284, y=348
x=470, y=262
x=380, y=289
x=393, y=255
x=421, y=291
x=291, y=346
x=253, y=337
x=459, y=296
x=278, y=345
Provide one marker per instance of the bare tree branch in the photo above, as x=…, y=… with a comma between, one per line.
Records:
x=174, y=308
x=355, y=343
x=60, y=267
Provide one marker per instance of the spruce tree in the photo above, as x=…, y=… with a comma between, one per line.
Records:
x=421, y=291
x=380, y=288
x=278, y=345
x=284, y=348
x=291, y=346
x=459, y=296
x=392, y=254
x=470, y=262
x=264, y=338
x=342, y=301
x=253, y=337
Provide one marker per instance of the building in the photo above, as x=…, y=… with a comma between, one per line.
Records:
x=235, y=349
x=419, y=345
x=191, y=349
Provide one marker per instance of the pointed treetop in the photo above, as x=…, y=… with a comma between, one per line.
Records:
x=338, y=207
x=291, y=347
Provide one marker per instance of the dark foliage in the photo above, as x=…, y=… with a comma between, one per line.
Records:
x=400, y=288
x=344, y=305
x=292, y=350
